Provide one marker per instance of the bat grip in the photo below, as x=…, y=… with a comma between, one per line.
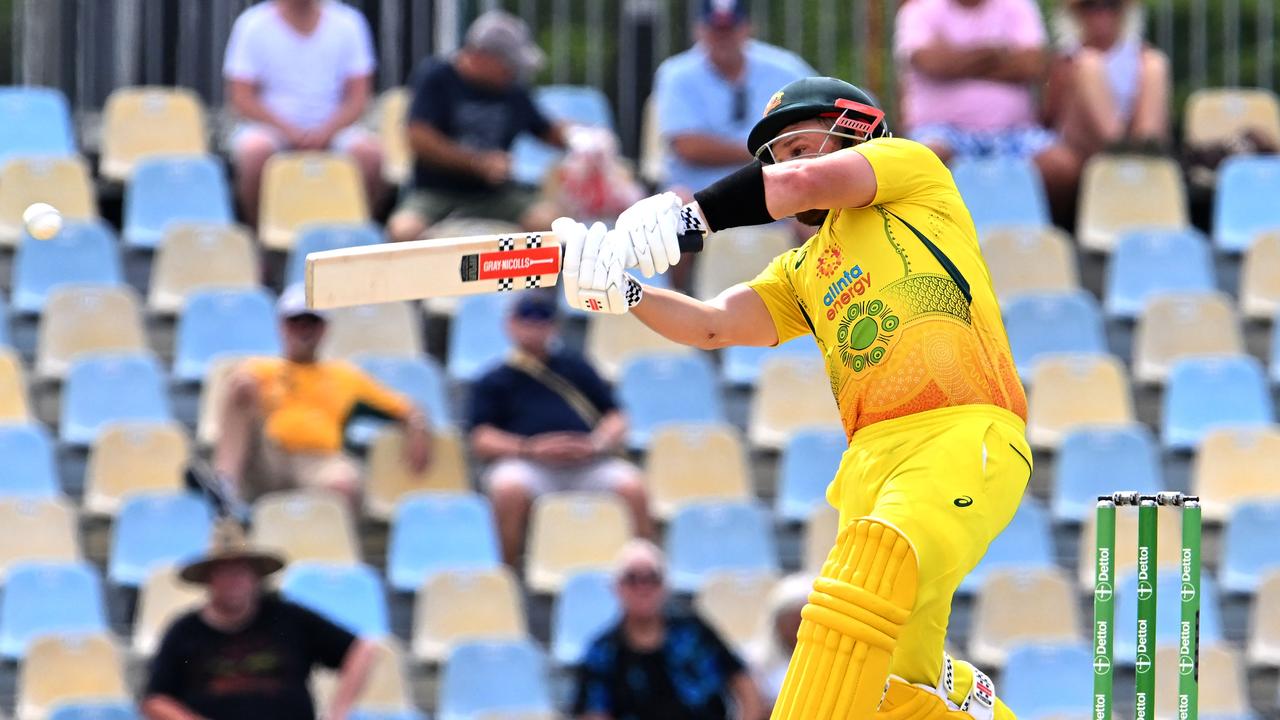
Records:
x=691, y=242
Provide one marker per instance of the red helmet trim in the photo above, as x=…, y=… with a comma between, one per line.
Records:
x=867, y=126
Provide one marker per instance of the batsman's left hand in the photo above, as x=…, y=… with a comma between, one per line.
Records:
x=592, y=271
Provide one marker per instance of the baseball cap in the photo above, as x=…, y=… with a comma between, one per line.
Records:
x=506, y=36
x=293, y=303
x=724, y=13
x=536, y=306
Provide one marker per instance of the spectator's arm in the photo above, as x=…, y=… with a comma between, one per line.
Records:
x=352, y=677
x=163, y=707
x=247, y=101
x=555, y=136
x=1018, y=65
x=356, y=92
x=490, y=443
x=945, y=62
x=702, y=149
x=609, y=432
x=434, y=148
x=747, y=697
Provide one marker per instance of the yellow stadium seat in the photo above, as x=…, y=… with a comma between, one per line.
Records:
x=1124, y=192
x=212, y=390
x=36, y=530
x=1068, y=391
x=736, y=605
x=793, y=393
x=393, y=133
x=612, y=340
x=653, y=165
x=64, y=669
x=15, y=405
x=1029, y=259
x=1260, y=278
x=393, y=328
x=737, y=255
x=1168, y=539
x=1173, y=327
x=389, y=479
x=557, y=526
x=457, y=606
x=63, y=182
x=1223, y=686
x=162, y=599
x=200, y=256
x=677, y=467
x=387, y=689
x=142, y=122
x=130, y=457
x=1219, y=115
x=306, y=525
x=1235, y=465
x=819, y=536
x=303, y=188
x=1264, y=623
x=81, y=319
x=1022, y=606
x=456, y=228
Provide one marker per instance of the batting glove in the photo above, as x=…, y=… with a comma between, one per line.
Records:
x=593, y=277
x=652, y=227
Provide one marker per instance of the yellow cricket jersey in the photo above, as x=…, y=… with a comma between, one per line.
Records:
x=904, y=329
x=306, y=406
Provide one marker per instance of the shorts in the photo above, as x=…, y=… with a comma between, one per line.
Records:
x=508, y=203
x=950, y=480
x=342, y=141
x=272, y=468
x=603, y=474
x=1023, y=142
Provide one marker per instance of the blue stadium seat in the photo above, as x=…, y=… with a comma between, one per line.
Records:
x=577, y=104
x=1001, y=191
x=741, y=364
x=1044, y=680
x=439, y=531
x=83, y=252
x=5, y=339
x=689, y=393
x=349, y=595
x=94, y=711
x=1094, y=461
x=1168, y=610
x=104, y=387
x=1041, y=323
x=709, y=537
x=1250, y=549
x=1149, y=262
x=26, y=454
x=315, y=238
x=477, y=336
x=586, y=607
x=41, y=598
x=1027, y=542
x=1244, y=202
x=223, y=322
x=34, y=121
x=180, y=188
x=1208, y=391
x=491, y=676
x=420, y=379
x=809, y=462
x=153, y=529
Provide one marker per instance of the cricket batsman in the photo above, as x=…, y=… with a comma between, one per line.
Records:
x=894, y=290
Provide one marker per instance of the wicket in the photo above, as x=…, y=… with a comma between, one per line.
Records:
x=1104, y=603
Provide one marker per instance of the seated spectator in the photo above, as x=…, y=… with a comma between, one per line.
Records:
x=465, y=114
x=785, y=603
x=283, y=418
x=299, y=74
x=245, y=653
x=654, y=665
x=545, y=422
x=592, y=182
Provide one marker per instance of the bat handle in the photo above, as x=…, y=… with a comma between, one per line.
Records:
x=691, y=242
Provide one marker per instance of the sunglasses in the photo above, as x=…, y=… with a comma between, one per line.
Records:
x=635, y=578
x=740, y=103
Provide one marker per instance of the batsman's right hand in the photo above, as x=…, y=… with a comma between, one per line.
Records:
x=592, y=271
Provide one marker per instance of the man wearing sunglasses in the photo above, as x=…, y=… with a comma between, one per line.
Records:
x=894, y=290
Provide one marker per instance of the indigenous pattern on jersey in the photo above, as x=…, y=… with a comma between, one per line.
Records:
x=898, y=297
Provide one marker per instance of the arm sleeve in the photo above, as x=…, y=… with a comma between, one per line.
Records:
x=486, y=406
x=678, y=112
x=912, y=29
x=1026, y=26
x=378, y=398
x=904, y=169
x=594, y=694
x=775, y=288
x=360, y=62
x=431, y=100
x=329, y=643
x=728, y=661
x=165, y=676
x=536, y=122
x=238, y=62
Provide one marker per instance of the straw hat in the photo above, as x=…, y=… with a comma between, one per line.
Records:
x=229, y=543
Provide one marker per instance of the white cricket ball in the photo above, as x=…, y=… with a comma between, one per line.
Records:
x=43, y=221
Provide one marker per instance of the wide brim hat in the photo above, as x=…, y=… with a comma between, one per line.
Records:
x=230, y=545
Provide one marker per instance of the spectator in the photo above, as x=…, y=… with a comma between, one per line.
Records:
x=465, y=114
x=299, y=74
x=246, y=654
x=654, y=665
x=785, y=603
x=283, y=418
x=546, y=422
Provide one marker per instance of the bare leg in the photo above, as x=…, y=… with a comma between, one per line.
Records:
x=509, y=492
x=368, y=156
x=240, y=417
x=253, y=148
x=342, y=477
x=1151, y=109
x=631, y=490
x=1060, y=168
x=1092, y=119
x=405, y=224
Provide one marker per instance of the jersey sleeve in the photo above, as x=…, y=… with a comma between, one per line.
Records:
x=1026, y=26
x=378, y=398
x=238, y=62
x=165, y=677
x=329, y=643
x=360, y=62
x=904, y=169
x=913, y=29
x=431, y=101
x=776, y=288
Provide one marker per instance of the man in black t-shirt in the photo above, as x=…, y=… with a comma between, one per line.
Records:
x=246, y=655
x=465, y=114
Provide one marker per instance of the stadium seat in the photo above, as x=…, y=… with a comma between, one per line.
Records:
x=1235, y=465
x=41, y=598
x=330, y=236
x=1249, y=544
x=585, y=608
x=1025, y=544
x=486, y=675
x=477, y=336
x=421, y=379
x=653, y=165
x=1020, y=606
x=142, y=122
x=1095, y=461
x=386, y=695
x=1222, y=688
x=1168, y=539
x=1042, y=323
x=36, y=530
x=81, y=319
x=1242, y=206
x=14, y=404
x=1001, y=191
x=223, y=322
x=432, y=532
x=63, y=182
x=711, y=537
x=1264, y=623
x=1042, y=680
x=1119, y=193
x=1069, y=391
x=736, y=605
x=457, y=606
x=350, y=595
x=393, y=328
x=740, y=364
x=613, y=340
x=676, y=466
x=1168, y=606
x=26, y=454
x=808, y=464
x=573, y=104
x=34, y=121
x=737, y=255
x=1174, y=327
x=156, y=529
x=689, y=394
x=793, y=394
x=110, y=387
x=393, y=134
x=819, y=536
x=162, y=598
x=1205, y=392
x=388, y=479
x=1029, y=260
x=62, y=669
x=558, y=523
x=81, y=253
x=306, y=188
x=95, y=710
x=1260, y=278
x=200, y=256
x=174, y=189
x=1219, y=115
x=1147, y=263
x=305, y=525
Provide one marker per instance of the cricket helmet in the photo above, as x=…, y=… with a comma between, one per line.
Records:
x=857, y=115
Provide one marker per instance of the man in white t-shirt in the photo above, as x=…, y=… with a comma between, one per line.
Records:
x=299, y=73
